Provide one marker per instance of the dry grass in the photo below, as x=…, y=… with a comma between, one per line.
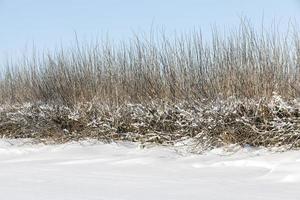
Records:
x=183, y=72
x=242, y=64
x=210, y=124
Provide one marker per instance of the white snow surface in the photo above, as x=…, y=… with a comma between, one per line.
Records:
x=91, y=170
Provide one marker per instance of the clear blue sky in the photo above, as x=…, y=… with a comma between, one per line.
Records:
x=49, y=23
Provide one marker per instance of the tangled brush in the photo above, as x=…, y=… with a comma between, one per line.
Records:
x=209, y=124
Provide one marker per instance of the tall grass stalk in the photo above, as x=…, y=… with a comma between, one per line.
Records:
x=245, y=63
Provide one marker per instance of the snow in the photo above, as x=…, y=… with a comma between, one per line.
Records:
x=91, y=170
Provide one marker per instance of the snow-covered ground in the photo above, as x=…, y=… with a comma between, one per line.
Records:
x=110, y=171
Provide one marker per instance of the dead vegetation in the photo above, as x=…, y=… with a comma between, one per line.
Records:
x=245, y=64
x=209, y=124
x=160, y=90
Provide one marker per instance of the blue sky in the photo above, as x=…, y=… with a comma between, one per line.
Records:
x=48, y=23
